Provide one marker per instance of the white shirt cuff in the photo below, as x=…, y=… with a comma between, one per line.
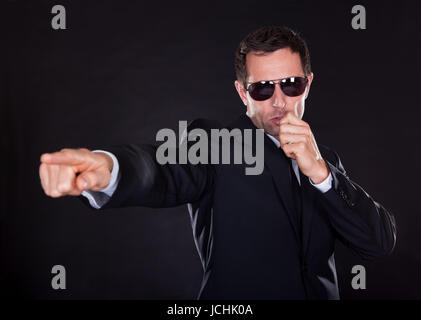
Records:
x=325, y=185
x=98, y=198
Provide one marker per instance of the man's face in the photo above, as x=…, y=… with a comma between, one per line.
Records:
x=282, y=63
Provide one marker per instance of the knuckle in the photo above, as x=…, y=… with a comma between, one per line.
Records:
x=68, y=171
x=63, y=187
x=55, y=194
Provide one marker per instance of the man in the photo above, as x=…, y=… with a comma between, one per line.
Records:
x=267, y=236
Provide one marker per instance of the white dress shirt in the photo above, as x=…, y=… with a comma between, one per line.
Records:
x=98, y=198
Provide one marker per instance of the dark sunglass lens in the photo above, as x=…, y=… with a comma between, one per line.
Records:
x=294, y=86
x=261, y=90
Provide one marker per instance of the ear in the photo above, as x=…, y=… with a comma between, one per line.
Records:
x=241, y=91
x=310, y=79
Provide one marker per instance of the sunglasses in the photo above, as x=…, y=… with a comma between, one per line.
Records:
x=263, y=90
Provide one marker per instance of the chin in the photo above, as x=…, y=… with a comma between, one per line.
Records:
x=272, y=130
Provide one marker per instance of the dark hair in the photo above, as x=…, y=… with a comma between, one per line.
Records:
x=268, y=39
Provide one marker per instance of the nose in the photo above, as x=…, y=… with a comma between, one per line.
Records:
x=279, y=98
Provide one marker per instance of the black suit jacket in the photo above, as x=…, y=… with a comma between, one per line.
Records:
x=244, y=226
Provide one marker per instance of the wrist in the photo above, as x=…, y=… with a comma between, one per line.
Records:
x=320, y=174
x=109, y=161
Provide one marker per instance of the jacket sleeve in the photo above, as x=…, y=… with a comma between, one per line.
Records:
x=361, y=223
x=146, y=182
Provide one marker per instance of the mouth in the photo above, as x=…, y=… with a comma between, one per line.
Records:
x=276, y=120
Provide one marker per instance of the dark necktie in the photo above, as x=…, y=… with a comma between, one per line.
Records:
x=296, y=192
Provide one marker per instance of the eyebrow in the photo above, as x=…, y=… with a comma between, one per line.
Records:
x=266, y=80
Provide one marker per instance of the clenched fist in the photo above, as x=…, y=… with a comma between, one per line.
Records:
x=70, y=171
x=297, y=141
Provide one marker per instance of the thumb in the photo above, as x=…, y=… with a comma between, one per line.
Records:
x=86, y=180
x=93, y=180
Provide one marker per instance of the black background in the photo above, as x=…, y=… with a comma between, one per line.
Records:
x=122, y=70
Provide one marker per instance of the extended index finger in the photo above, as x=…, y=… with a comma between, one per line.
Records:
x=65, y=157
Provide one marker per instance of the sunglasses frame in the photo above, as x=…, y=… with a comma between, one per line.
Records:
x=277, y=81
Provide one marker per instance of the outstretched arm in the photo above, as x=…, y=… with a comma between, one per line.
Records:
x=138, y=180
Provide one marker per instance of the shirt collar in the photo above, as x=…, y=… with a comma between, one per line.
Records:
x=275, y=141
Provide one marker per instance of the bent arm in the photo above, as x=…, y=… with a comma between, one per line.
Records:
x=361, y=223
